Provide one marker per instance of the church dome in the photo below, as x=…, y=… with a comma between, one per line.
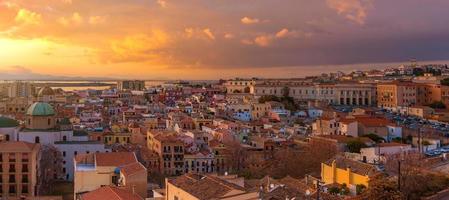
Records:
x=45, y=91
x=40, y=109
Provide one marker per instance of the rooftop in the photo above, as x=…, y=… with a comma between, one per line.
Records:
x=40, y=109
x=206, y=187
x=115, y=158
x=355, y=166
x=110, y=193
x=14, y=146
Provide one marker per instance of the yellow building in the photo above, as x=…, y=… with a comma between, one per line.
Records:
x=117, y=138
x=341, y=170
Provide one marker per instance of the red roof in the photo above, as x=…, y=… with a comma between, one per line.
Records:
x=110, y=193
x=132, y=169
x=115, y=158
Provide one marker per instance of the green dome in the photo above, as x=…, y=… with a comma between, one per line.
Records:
x=40, y=109
x=8, y=122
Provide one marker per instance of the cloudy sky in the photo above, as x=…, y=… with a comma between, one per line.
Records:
x=204, y=39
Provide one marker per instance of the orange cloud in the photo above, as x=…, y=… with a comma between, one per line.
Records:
x=209, y=33
x=162, y=3
x=74, y=20
x=247, y=20
x=95, y=20
x=26, y=17
x=264, y=40
x=354, y=10
x=137, y=48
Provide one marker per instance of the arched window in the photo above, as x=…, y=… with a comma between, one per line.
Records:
x=37, y=139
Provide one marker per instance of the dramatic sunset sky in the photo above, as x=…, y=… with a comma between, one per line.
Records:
x=205, y=39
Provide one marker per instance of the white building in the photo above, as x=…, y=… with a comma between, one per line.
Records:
x=378, y=153
x=41, y=127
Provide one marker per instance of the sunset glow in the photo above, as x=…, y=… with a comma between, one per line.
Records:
x=171, y=39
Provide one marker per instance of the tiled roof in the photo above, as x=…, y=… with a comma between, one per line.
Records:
x=110, y=193
x=17, y=146
x=370, y=122
x=132, y=169
x=115, y=158
x=205, y=187
x=355, y=166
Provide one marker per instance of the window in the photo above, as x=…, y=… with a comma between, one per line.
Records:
x=12, y=168
x=24, y=189
x=12, y=189
x=7, y=137
x=49, y=121
x=63, y=154
x=25, y=157
x=37, y=139
x=25, y=179
x=64, y=138
x=24, y=167
x=12, y=157
x=75, y=153
x=12, y=178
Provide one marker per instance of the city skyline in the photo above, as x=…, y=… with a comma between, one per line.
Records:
x=163, y=39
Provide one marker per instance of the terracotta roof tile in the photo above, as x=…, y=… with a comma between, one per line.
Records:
x=110, y=193
x=17, y=146
x=132, y=169
x=115, y=158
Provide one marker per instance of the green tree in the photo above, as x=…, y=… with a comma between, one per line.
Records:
x=437, y=105
x=354, y=146
x=374, y=137
x=445, y=82
x=359, y=188
x=334, y=190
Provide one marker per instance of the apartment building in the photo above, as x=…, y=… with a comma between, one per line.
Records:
x=344, y=93
x=170, y=150
x=19, y=169
x=397, y=94
x=21, y=89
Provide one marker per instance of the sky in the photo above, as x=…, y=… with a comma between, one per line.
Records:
x=211, y=39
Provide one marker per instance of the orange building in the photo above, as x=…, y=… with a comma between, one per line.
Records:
x=170, y=150
x=19, y=165
x=397, y=94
